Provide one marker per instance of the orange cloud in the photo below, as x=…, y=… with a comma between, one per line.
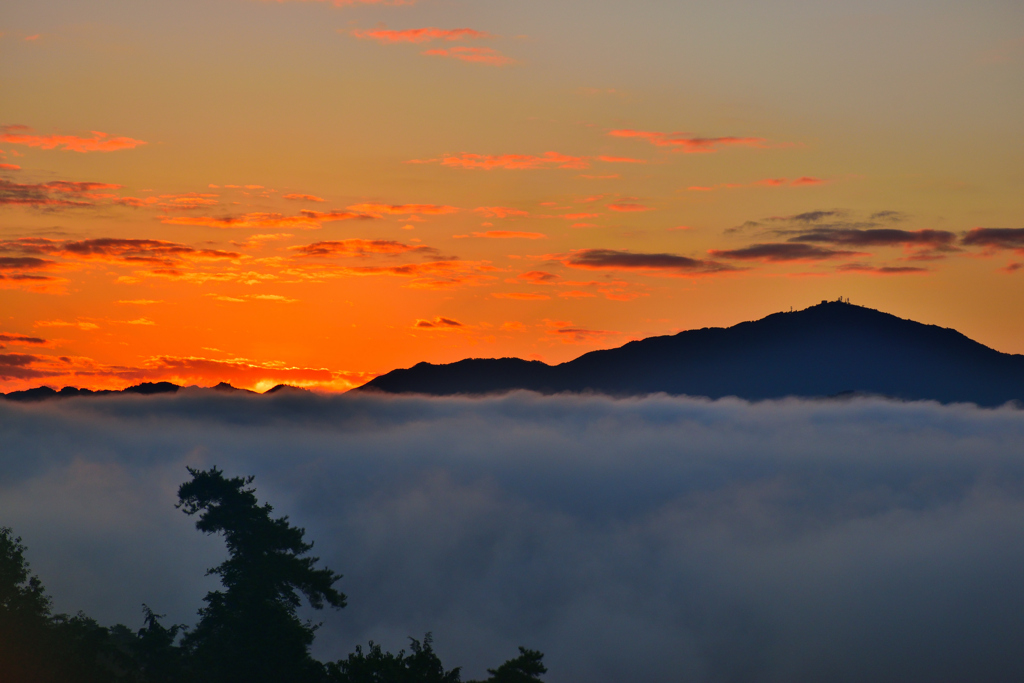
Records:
x=622, y=260
x=438, y=323
x=99, y=142
x=57, y=194
x=621, y=160
x=187, y=200
x=521, y=296
x=517, y=162
x=627, y=207
x=360, y=247
x=510, y=234
x=680, y=142
x=306, y=220
x=378, y=210
x=881, y=270
x=428, y=275
x=419, y=35
x=501, y=212
x=10, y=167
x=783, y=253
x=805, y=181
x=303, y=197
x=578, y=216
x=476, y=55
x=114, y=250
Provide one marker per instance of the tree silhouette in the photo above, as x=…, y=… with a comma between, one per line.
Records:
x=421, y=665
x=526, y=668
x=249, y=632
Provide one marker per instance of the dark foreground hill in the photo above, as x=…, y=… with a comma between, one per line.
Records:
x=831, y=349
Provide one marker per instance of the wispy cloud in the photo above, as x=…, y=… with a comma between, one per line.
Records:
x=517, y=162
x=781, y=253
x=378, y=210
x=996, y=238
x=419, y=35
x=474, y=55
x=681, y=142
x=360, y=248
x=99, y=142
x=294, y=196
x=305, y=220
x=629, y=207
x=661, y=263
x=510, y=234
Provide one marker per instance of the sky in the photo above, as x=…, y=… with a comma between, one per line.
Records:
x=657, y=539
x=316, y=192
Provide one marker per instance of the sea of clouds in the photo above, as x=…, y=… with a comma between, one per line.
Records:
x=656, y=539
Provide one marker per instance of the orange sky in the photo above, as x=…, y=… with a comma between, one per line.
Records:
x=318, y=192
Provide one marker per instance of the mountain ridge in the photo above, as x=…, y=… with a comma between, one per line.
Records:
x=832, y=348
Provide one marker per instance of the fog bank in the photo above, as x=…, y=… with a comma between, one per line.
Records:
x=657, y=539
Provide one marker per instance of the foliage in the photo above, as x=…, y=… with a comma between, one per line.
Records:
x=421, y=665
x=248, y=632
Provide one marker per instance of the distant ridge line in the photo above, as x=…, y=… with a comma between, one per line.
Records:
x=832, y=349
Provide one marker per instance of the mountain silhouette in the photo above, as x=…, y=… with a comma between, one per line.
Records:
x=832, y=349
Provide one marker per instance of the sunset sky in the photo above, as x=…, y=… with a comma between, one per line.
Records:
x=314, y=193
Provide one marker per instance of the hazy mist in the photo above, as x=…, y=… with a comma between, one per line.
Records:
x=657, y=539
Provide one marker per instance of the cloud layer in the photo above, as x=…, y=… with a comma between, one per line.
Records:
x=657, y=539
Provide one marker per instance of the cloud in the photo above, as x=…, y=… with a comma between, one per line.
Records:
x=58, y=194
x=378, y=210
x=99, y=142
x=419, y=35
x=475, y=55
x=879, y=237
x=1012, y=267
x=629, y=207
x=780, y=253
x=538, y=277
x=439, y=274
x=680, y=142
x=567, y=333
x=21, y=339
x=805, y=181
x=83, y=325
x=10, y=167
x=511, y=234
x=649, y=539
x=117, y=250
x=304, y=197
x=881, y=270
x=360, y=247
x=995, y=238
x=438, y=323
x=620, y=160
x=501, y=212
x=186, y=200
x=25, y=263
x=612, y=259
x=521, y=296
x=306, y=220
x=517, y=162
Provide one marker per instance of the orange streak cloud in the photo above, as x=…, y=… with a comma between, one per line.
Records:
x=627, y=207
x=377, y=210
x=99, y=142
x=679, y=142
x=521, y=296
x=621, y=160
x=306, y=220
x=476, y=55
x=419, y=35
x=501, y=212
x=359, y=247
x=511, y=234
x=303, y=197
x=517, y=162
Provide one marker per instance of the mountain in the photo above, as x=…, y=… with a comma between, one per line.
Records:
x=144, y=389
x=832, y=349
